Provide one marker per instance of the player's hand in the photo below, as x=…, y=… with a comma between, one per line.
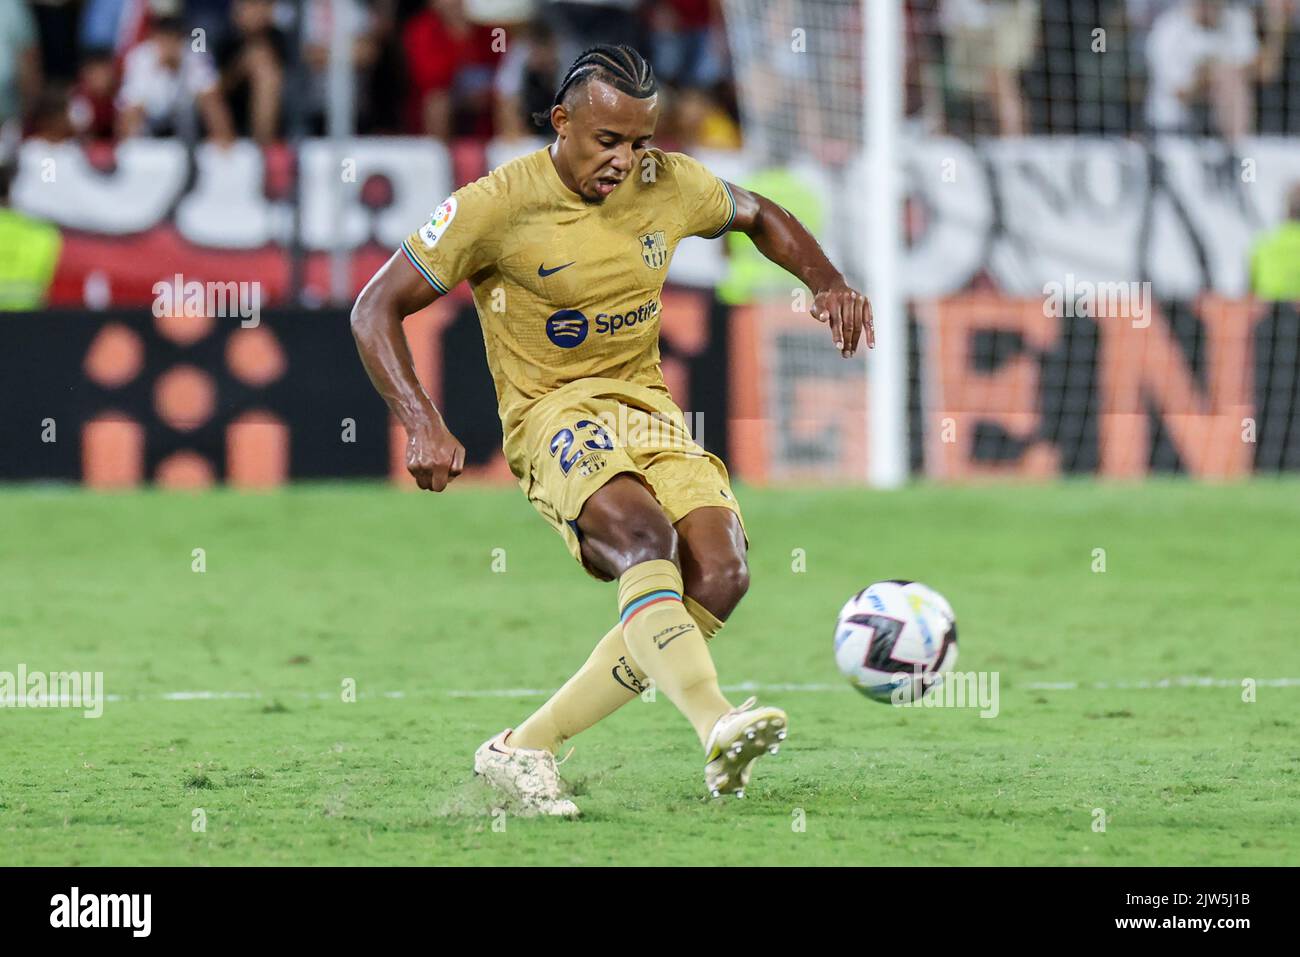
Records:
x=434, y=456
x=848, y=312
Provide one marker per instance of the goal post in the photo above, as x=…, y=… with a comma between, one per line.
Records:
x=820, y=88
x=882, y=65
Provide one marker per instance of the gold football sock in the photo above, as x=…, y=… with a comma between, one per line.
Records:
x=608, y=680
x=667, y=643
x=708, y=622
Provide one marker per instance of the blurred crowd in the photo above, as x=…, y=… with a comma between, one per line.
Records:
x=221, y=69
x=1225, y=68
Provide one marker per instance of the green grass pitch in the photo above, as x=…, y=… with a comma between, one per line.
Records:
x=308, y=587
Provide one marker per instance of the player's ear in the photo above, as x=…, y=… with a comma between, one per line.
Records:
x=559, y=119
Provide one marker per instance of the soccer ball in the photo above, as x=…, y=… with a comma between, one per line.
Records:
x=894, y=639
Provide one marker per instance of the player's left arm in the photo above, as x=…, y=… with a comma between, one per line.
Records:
x=786, y=241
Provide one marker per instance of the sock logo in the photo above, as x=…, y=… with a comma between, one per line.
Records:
x=672, y=633
x=635, y=686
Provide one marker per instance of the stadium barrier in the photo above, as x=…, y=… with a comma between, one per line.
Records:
x=1020, y=214
x=1000, y=387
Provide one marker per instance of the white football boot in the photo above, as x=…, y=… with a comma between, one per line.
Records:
x=738, y=737
x=529, y=776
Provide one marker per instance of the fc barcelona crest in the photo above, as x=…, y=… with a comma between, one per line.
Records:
x=654, y=249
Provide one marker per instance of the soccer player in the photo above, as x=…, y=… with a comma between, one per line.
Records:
x=566, y=250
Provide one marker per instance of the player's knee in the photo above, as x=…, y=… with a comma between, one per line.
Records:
x=647, y=538
x=622, y=525
x=721, y=584
x=627, y=540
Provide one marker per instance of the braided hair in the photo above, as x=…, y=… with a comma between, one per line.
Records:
x=620, y=66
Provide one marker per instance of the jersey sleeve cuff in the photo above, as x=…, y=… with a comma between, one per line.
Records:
x=731, y=217
x=424, y=270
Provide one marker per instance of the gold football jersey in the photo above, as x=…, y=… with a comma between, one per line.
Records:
x=567, y=289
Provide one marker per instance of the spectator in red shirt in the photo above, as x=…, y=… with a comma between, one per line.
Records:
x=449, y=62
x=93, y=113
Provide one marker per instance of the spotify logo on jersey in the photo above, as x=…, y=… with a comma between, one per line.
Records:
x=567, y=328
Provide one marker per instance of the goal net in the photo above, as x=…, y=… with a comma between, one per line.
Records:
x=1099, y=242
x=799, y=77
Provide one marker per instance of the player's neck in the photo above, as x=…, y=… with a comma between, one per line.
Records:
x=565, y=178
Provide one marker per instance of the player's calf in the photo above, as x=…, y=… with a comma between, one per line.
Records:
x=719, y=584
x=627, y=535
x=715, y=569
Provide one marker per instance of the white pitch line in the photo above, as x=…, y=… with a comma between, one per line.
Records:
x=1185, y=681
x=1182, y=681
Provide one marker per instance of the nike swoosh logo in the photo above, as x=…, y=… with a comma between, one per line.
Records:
x=681, y=630
x=619, y=679
x=544, y=272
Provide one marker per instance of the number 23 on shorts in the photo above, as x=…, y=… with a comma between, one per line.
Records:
x=566, y=444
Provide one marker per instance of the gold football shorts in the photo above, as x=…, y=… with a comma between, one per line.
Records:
x=580, y=436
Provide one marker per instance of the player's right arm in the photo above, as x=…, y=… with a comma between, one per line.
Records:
x=433, y=455
x=462, y=238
